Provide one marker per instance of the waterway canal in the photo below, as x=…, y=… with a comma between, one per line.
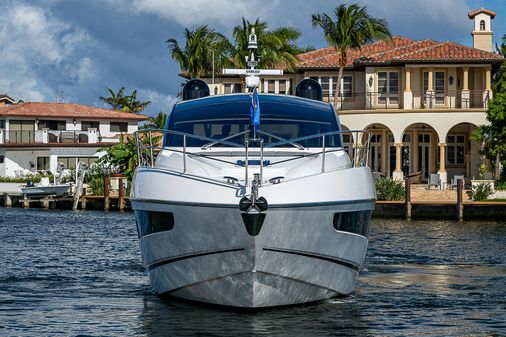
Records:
x=69, y=274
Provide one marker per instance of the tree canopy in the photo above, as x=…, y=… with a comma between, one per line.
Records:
x=350, y=27
x=127, y=103
x=493, y=135
x=196, y=57
x=157, y=122
x=500, y=76
x=275, y=47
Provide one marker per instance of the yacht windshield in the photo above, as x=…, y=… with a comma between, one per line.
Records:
x=287, y=119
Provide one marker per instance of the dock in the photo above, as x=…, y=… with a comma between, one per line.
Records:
x=113, y=199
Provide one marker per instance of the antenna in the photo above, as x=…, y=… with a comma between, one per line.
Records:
x=59, y=96
x=252, y=73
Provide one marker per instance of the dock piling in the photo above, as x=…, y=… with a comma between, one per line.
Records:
x=107, y=181
x=407, y=196
x=121, y=194
x=460, y=204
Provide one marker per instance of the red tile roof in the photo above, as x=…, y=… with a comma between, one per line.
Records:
x=65, y=110
x=472, y=14
x=400, y=50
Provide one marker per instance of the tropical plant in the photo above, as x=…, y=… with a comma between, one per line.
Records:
x=127, y=103
x=123, y=157
x=482, y=191
x=157, y=122
x=95, y=175
x=500, y=76
x=501, y=184
x=493, y=135
x=115, y=100
x=196, y=57
x=276, y=47
x=352, y=28
x=389, y=189
x=132, y=104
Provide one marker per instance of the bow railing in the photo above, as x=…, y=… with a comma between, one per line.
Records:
x=150, y=142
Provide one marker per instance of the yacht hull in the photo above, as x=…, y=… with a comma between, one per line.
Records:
x=209, y=255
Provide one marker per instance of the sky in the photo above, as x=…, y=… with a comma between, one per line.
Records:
x=74, y=49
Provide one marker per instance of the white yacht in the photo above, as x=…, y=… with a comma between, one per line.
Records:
x=277, y=220
x=252, y=216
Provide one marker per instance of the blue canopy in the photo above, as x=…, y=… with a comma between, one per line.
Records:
x=285, y=116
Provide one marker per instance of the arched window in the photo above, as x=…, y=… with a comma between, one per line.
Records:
x=482, y=25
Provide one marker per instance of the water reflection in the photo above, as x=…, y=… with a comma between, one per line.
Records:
x=179, y=318
x=66, y=273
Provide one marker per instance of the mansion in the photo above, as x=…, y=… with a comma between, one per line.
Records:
x=421, y=99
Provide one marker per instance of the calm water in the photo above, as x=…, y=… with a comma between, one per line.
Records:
x=70, y=274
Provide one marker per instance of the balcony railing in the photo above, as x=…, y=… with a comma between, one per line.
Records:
x=49, y=136
x=449, y=99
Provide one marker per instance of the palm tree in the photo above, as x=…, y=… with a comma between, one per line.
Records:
x=196, y=58
x=127, y=103
x=276, y=47
x=352, y=28
x=115, y=100
x=132, y=104
x=157, y=122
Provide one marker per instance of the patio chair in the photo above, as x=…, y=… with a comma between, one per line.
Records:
x=434, y=180
x=456, y=179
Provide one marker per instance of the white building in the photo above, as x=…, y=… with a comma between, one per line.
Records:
x=421, y=99
x=36, y=136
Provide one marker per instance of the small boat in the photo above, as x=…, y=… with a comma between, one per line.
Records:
x=45, y=188
x=237, y=210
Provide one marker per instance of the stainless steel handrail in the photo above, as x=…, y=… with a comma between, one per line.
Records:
x=146, y=153
x=300, y=147
x=219, y=141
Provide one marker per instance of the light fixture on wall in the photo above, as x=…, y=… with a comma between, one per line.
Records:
x=451, y=79
x=74, y=121
x=370, y=81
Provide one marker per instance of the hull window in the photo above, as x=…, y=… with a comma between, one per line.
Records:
x=353, y=222
x=149, y=222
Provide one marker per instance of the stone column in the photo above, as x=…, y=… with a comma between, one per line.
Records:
x=414, y=151
x=443, y=175
x=408, y=95
x=465, y=96
x=398, y=174
x=487, y=93
x=384, y=152
x=2, y=134
x=430, y=99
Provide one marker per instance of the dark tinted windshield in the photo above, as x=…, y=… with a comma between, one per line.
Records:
x=286, y=117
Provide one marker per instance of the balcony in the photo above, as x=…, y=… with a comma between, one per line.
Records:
x=46, y=136
x=457, y=99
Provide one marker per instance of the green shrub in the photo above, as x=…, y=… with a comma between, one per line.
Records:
x=501, y=184
x=33, y=178
x=389, y=189
x=482, y=191
x=97, y=185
